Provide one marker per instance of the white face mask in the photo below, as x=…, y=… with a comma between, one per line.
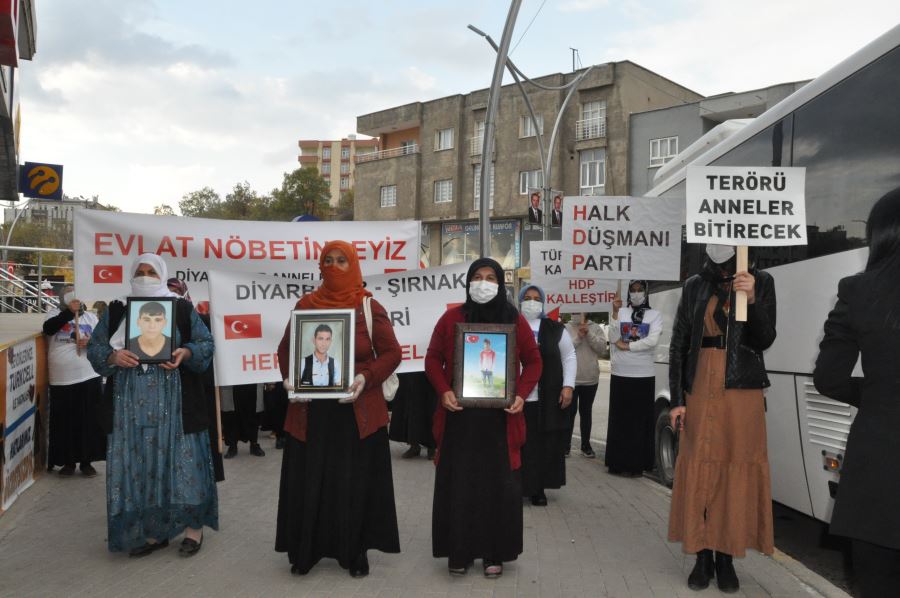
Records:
x=482, y=291
x=637, y=299
x=531, y=309
x=144, y=285
x=68, y=297
x=720, y=254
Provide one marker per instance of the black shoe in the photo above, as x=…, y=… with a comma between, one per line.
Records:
x=703, y=571
x=279, y=442
x=295, y=570
x=539, y=500
x=190, y=547
x=67, y=470
x=231, y=453
x=430, y=454
x=412, y=452
x=360, y=566
x=88, y=470
x=256, y=450
x=726, y=578
x=147, y=549
x=588, y=452
x=458, y=570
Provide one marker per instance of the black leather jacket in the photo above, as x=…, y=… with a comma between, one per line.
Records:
x=745, y=341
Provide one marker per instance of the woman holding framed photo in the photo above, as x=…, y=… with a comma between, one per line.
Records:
x=336, y=498
x=477, y=489
x=159, y=472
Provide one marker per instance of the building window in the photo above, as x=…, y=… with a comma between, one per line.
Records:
x=662, y=150
x=443, y=139
x=443, y=191
x=477, y=192
x=326, y=153
x=530, y=179
x=527, y=128
x=345, y=167
x=389, y=196
x=345, y=182
x=593, y=171
x=593, y=121
x=345, y=153
x=326, y=169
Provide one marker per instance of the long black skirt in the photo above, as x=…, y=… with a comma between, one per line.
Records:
x=477, y=509
x=411, y=410
x=543, y=456
x=629, y=437
x=75, y=432
x=336, y=498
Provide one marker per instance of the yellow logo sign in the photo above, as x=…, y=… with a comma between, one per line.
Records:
x=43, y=180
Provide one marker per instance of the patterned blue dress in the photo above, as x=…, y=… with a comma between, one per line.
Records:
x=159, y=480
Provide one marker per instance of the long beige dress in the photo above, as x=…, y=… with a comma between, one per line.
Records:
x=722, y=498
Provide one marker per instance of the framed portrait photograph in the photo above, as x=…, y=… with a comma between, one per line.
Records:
x=150, y=328
x=484, y=365
x=322, y=353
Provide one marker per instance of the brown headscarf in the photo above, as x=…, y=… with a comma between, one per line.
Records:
x=340, y=289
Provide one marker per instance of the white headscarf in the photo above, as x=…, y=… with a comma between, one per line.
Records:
x=161, y=289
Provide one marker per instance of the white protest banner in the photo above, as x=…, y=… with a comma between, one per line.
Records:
x=622, y=238
x=18, y=440
x=568, y=295
x=250, y=313
x=751, y=206
x=107, y=242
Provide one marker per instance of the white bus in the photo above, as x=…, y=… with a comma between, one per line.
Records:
x=844, y=127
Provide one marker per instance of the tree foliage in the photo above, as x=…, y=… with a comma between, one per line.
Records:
x=163, y=210
x=302, y=191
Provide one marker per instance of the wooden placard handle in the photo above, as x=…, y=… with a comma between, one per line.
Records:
x=219, y=418
x=740, y=297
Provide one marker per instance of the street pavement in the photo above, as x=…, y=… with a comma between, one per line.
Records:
x=601, y=535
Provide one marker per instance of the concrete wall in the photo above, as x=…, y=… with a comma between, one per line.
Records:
x=683, y=122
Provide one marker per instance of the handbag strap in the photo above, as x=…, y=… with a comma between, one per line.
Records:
x=367, y=312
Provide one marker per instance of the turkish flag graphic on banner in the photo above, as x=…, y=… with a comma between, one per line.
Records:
x=108, y=274
x=243, y=326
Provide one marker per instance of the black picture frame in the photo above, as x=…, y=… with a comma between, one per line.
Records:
x=142, y=328
x=473, y=383
x=307, y=325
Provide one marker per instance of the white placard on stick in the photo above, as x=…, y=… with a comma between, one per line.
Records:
x=747, y=205
x=622, y=237
x=568, y=295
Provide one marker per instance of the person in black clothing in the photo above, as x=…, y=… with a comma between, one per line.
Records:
x=864, y=325
x=535, y=213
x=411, y=412
x=241, y=406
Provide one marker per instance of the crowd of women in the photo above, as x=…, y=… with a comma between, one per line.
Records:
x=336, y=496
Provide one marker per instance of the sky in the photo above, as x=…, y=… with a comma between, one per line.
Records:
x=143, y=101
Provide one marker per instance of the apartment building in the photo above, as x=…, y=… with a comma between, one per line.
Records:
x=657, y=136
x=430, y=155
x=335, y=160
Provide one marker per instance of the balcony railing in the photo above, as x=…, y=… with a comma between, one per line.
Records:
x=590, y=128
x=388, y=153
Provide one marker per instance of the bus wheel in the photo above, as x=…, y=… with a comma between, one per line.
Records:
x=666, y=449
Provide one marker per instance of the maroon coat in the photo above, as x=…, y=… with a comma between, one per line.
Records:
x=439, y=368
x=370, y=407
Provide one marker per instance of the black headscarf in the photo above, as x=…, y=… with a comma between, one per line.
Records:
x=721, y=276
x=496, y=311
x=637, y=313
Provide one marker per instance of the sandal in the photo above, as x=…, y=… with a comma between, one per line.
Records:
x=492, y=569
x=190, y=547
x=459, y=571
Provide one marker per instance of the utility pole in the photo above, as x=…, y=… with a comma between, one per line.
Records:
x=487, y=148
x=574, y=52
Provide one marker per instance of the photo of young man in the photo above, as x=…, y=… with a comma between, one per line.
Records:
x=320, y=368
x=152, y=342
x=535, y=213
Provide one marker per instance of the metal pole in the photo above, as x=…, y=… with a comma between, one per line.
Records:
x=12, y=227
x=484, y=219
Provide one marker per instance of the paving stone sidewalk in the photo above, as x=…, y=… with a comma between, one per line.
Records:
x=601, y=535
